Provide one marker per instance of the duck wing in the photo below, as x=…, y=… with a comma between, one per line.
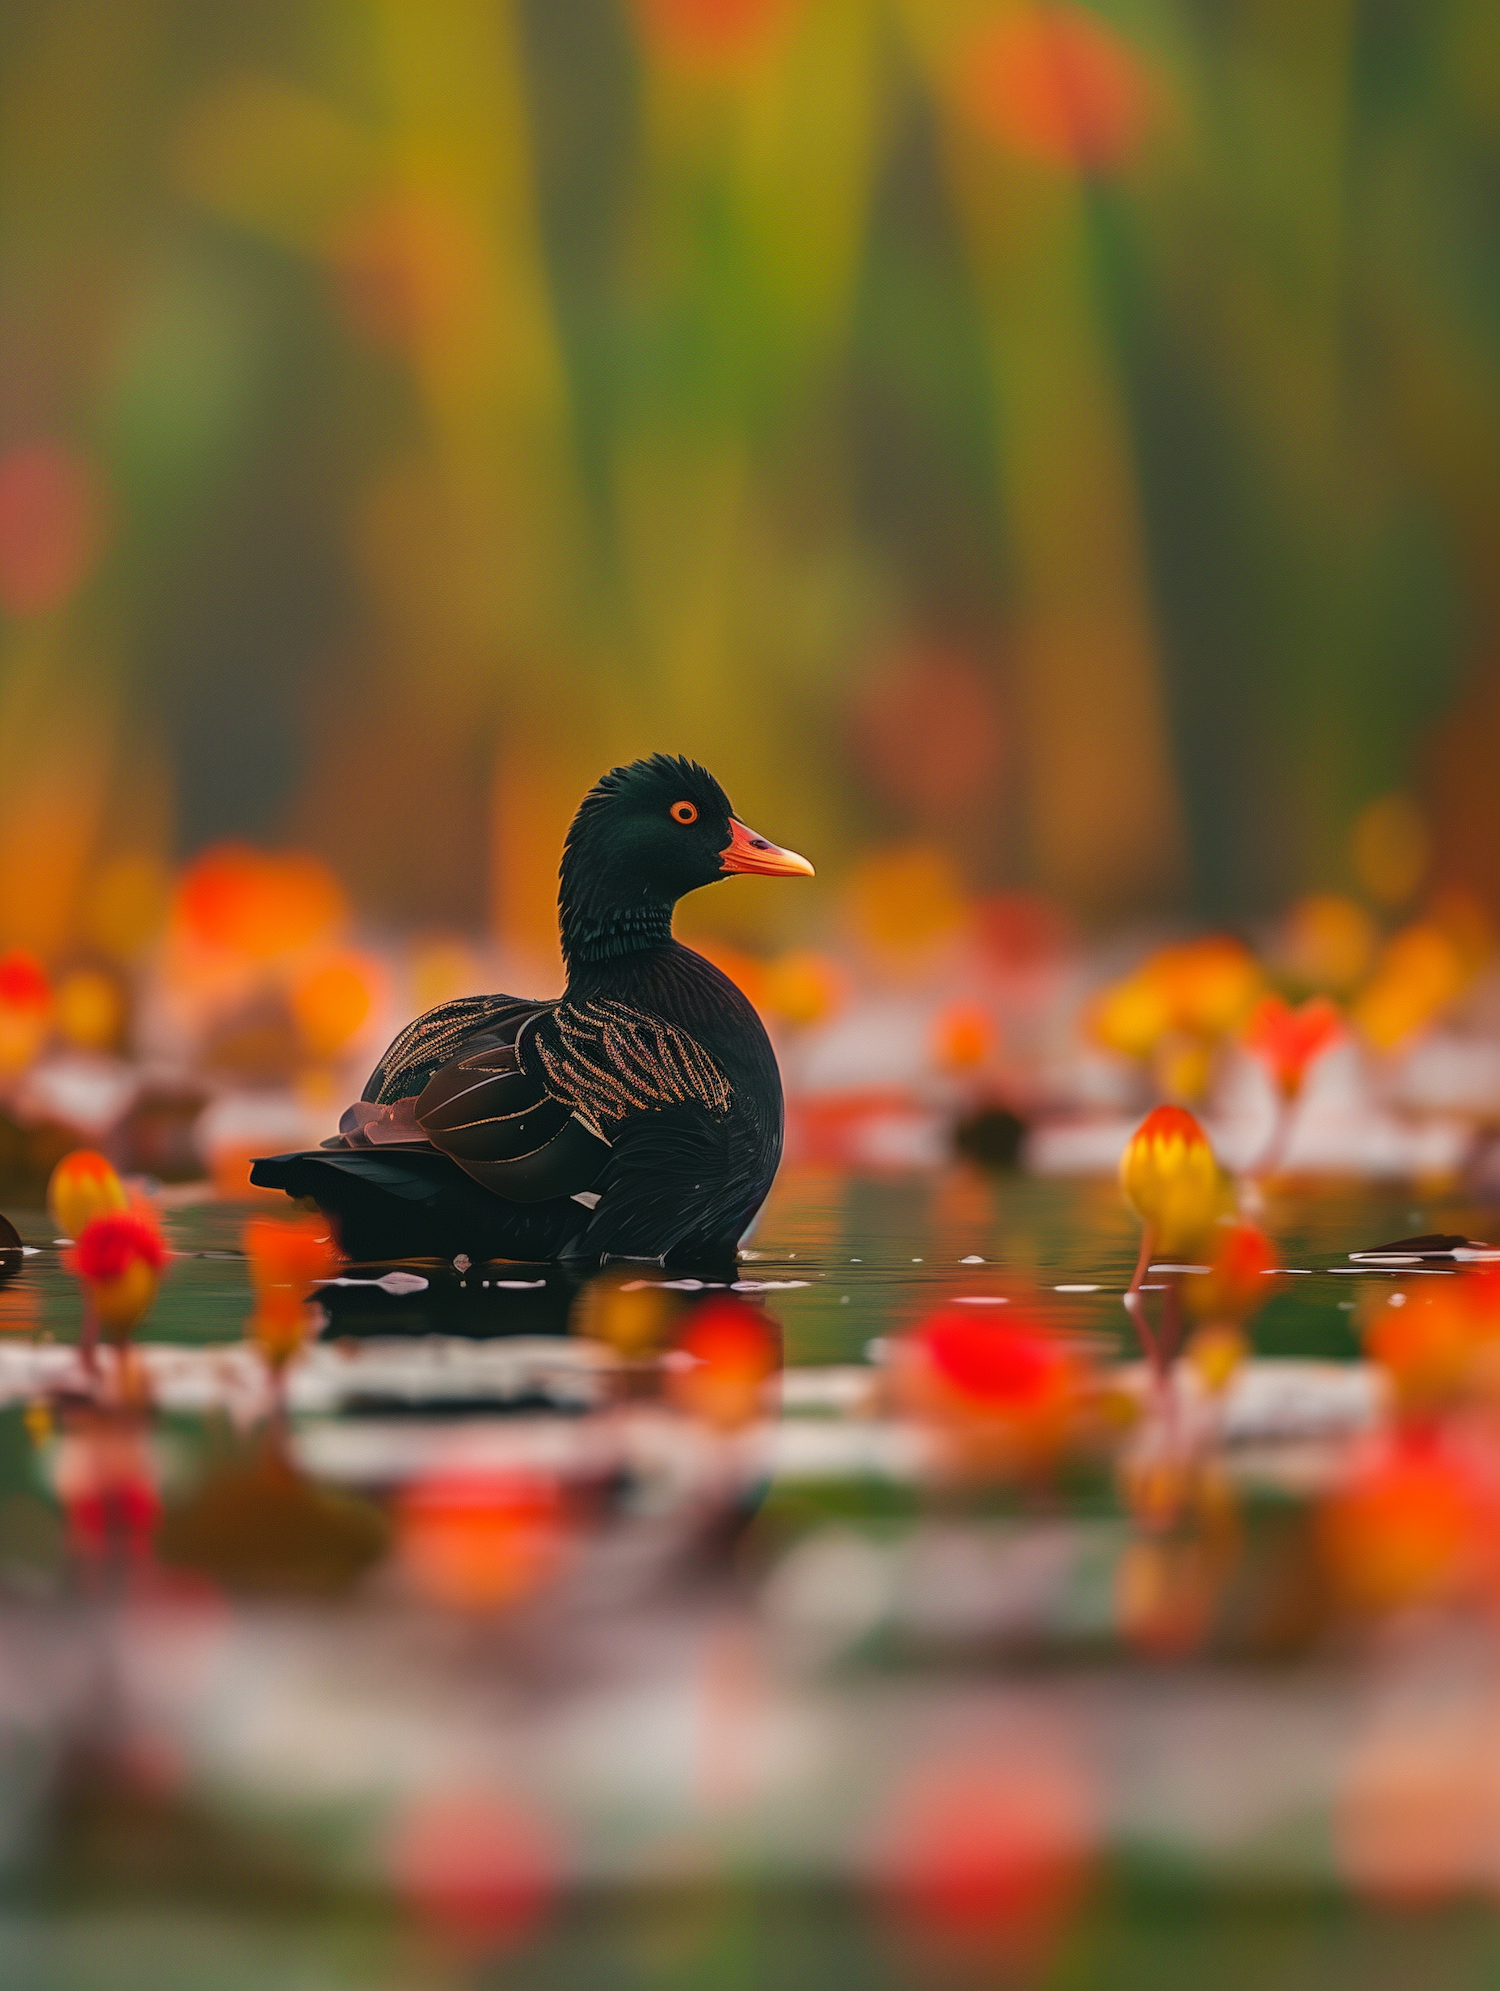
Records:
x=535, y=1104
x=610, y=1060
x=495, y=1115
x=431, y=1040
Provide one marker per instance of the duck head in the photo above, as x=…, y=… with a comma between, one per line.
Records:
x=644, y=836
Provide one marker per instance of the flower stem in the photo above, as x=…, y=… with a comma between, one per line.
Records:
x=88, y=1340
x=1135, y=1306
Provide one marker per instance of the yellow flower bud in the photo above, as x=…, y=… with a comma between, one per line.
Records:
x=83, y=1186
x=1172, y=1180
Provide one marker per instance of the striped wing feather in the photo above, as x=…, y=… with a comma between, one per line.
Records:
x=435, y=1037
x=608, y=1060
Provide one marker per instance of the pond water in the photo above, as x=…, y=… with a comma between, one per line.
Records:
x=840, y=1259
x=211, y=1787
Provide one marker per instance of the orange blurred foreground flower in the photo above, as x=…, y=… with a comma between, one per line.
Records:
x=83, y=1186
x=630, y=1316
x=1439, y=1344
x=1405, y=1528
x=1172, y=1180
x=722, y=1361
x=1241, y=1259
x=479, y=1541
x=286, y=1260
x=119, y=1257
x=1010, y=1378
x=1288, y=1040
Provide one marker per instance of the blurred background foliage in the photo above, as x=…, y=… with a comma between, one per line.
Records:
x=1067, y=436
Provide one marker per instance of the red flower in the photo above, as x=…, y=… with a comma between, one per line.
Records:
x=111, y=1244
x=1009, y=1394
x=1009, y=1367
x=1287, y=1040
x=722, y=1361
x=23, y=982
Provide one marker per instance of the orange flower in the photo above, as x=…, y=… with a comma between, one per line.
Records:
x=1440, y=1344
x=1420, y=971
x=25, y=1009
x=627, y=1315
x=1209, y=983
x=722, y=1362
x=804, y=988
x=119, y=1257
x=332, y=1001
x=91, y=1007
x=1010, y=1381
x=1403, y=1529
x=1172, y=1180
x=1176, y=1006
x=1288, y=1040
x=963, y=1037
x=286, y=1260
x=249, y=902
x=1215, y=1353
x=82, y=1186
x=1327, y=942
x=1057, y=85
x=1236, y=1284
x=1131, y=1017
x=476, y=1541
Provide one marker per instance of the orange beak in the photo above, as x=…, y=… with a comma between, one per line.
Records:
x=749, y=852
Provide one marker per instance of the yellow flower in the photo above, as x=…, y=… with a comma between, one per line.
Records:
x=83, y=1186
x=1172, y=1180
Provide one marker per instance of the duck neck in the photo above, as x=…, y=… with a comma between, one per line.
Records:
x=593, y=938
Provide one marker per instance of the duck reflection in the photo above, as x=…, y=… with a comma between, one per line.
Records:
x=417, y=1296
x=644, y=1321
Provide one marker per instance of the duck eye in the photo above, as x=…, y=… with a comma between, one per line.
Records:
x=684, y=812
